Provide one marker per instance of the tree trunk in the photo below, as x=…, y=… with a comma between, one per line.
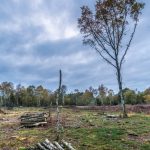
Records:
x=1, y=102
x=76, y=101
x=120, y=92
x=63, y=100
x=58, y=124
x=50, y=107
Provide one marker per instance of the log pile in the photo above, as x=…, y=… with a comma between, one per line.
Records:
x=112, y=116
x=47, y=145
x=33, y=119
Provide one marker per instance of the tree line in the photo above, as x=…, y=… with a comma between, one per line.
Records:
x=37, y=96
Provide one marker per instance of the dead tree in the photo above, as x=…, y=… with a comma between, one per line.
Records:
x=110, y=31
x=58, y=123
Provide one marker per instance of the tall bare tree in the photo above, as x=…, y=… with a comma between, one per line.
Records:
x=58, y=123
x=110, y=30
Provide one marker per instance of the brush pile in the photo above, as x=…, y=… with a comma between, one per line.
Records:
x=47, y=145
x=33, y=119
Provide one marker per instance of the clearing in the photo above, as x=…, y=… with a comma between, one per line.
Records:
x=84, y=129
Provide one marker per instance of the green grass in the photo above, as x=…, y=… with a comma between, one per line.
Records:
x=99, y=138
x=95, y=132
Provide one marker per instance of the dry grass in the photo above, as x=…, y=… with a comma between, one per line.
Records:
x=85, y=129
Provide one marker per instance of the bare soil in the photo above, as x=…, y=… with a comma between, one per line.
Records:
x=117, y=108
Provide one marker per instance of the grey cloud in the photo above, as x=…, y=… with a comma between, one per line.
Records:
x=33, y=47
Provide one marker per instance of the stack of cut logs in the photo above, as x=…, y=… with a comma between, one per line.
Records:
x=33, y=119
x=47, y=145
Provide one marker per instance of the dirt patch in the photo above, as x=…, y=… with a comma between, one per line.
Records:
x=2, y=112
x=130, y=108
x=9, y=120
x=142, y=138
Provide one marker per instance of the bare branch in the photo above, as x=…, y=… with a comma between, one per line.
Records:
x=100, y=43
x=123, y=28
x=100, y=53
x=128, y=45
x=108, y=33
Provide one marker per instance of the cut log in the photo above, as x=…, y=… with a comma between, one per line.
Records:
x=58, y=146
x=41, y=147
x=35, y=124
x=33, y=119
x=33, y=116
x=68, y=145
x=112, y=116
x=47, y=146
x=49, y=143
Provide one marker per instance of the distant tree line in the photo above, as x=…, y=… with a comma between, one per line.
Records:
x=37, y=96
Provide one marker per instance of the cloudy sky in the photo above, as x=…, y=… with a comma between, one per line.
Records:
x=39, y=37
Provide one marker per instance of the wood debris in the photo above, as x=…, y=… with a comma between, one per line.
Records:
x=33, y=119
x=47, y=145
x=112, y=116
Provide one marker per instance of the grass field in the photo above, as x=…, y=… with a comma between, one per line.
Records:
x=85, y=129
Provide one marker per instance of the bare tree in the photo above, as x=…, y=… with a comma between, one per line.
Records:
x=18, y=92
x=102, y=93
x=58, y=124
x=110, y=31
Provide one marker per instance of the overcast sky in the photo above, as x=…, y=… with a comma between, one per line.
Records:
x=39, y=37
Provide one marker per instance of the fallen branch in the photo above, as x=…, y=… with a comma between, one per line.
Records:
x=49, y=143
